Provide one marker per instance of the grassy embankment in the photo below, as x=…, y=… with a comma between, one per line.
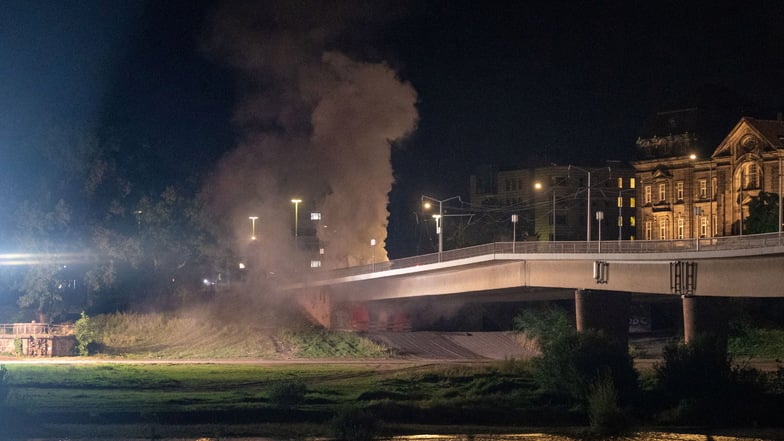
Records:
x=117, y=400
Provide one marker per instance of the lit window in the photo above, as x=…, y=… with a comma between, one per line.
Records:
x=680, y=228
x=648, y=230
x=662, y=192
x=315, y=216
x=679, y=191
x=648, y=194
x=315, y=264
x=620, y=221
x=632, y=202
x=703, y=226
x=620, y=182
x=703, y=188
x=663, y=229
x=632, y=221
x=631, y=182
x=620, y=201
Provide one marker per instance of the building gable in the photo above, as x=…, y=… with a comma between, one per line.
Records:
x=751, y=136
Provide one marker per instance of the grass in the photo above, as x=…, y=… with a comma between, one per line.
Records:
x=243, y=395
x=187, y=336
x=757, y=343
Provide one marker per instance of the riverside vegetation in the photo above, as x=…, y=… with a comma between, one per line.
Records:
x=583, y=384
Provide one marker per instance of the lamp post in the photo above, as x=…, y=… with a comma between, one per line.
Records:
x=253, y=227
x=599, y=218
x=539, y=186
x=296, y=202
x=373, y=254
x=588, y=208
x=439, y=219
x=709, y=194
x=514, y=232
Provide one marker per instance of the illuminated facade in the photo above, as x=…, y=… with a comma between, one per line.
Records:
x=684, y=193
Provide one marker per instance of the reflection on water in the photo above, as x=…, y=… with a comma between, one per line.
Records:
x=640, y=436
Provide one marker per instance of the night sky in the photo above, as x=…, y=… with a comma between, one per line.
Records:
x=500, y=83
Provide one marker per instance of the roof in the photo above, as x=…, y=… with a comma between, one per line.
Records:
x=771, y=130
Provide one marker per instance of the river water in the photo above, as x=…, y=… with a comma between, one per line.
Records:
x=640, y=436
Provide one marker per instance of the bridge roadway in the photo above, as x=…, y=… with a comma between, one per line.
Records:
x=730, y=266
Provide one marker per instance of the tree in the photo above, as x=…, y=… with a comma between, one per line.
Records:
x=763, y=214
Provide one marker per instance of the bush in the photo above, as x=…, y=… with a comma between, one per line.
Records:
x=288, y=393
x=545, y=325
x=604, y=413
x=570, y=363
x=354, y=424
x=85, y=333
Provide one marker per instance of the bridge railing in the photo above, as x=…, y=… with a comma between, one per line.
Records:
x=723, y=243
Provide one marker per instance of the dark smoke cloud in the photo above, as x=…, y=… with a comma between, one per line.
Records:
x=315, y=123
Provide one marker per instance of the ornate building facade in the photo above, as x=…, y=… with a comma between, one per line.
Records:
x=685, y=193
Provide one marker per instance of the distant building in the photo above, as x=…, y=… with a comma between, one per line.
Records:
x=689, y=190
x=555, y=199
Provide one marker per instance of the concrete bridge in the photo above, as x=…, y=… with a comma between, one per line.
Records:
x=599, y=275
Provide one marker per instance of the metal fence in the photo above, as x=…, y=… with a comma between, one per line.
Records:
x=724, y=243
x=36, y=329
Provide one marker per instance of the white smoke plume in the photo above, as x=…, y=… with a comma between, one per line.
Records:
x=314, y=123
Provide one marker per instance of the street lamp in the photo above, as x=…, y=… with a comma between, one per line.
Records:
x=296, y=202
x=373, y=254
x=539, y=186
x=599, y=218
x=588, y=208
x=514, y=231
x=253, y=227
x=439, y=219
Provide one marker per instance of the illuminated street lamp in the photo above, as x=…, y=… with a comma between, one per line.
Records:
x=296, y=202
x=253, y=227
x=439, y=219
x=514, y=231
x=600, y=218
x=373, y=254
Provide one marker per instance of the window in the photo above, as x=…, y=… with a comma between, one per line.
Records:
x=631, y=182
x=315, y=264
x=648, y=230
x=662, y=192
x=632, y=221
x=680, y=228
x=703, y=226
x=620, y=182
x=663, y=229
x=703, y=184
x=714, y=225
x=678, y=191
x=713, y=188
x=632, y=202
x=647, y=194
x=620, y=201
x=750, y=176
x=620, y=221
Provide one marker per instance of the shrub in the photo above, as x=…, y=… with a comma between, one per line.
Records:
x=571, y=362
x=288, y=393
x=604, y=413
x=354, y=424
x=85, y=333
x=546, y=324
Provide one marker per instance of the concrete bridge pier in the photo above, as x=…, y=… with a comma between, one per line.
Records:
x=606, y=311
x=705, y=316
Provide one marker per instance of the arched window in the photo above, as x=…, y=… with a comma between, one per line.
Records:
x=749, y=176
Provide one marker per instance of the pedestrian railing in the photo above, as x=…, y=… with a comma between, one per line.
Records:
x=724, y=243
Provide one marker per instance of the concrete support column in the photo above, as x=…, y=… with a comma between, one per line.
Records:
x=606, y=311
x=707, y=316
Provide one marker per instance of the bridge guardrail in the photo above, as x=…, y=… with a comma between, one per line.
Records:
x=722, y=243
